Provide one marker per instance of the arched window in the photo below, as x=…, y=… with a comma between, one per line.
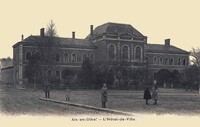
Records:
x=138, y=53
x=171, y=62
x=125, y=54
x=49, y=73
x=57, y=57
x=37, y=56
x=184, y=62
x=166, y=61
x=66, y=57
x=92, y=59
x=84, y=57
x=74, y=57
x=147, y=59
x=28, y=55
x=161, y=60
x=155, y=60
x=179, y=61
x=111, y=52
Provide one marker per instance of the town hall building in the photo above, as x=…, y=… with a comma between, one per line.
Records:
x=110, y=43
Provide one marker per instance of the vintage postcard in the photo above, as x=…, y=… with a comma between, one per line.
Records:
x=99, y=63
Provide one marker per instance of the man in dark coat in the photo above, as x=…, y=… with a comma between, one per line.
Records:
x=104, y=98
x=47, y=90
x=147, y=95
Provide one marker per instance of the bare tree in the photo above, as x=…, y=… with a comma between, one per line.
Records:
x=195, y=53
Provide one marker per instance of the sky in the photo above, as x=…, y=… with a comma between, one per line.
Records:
x=178, y=20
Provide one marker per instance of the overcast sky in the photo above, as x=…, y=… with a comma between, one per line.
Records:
x=156, y=19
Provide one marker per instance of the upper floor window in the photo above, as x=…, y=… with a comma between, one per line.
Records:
x=37, y=56
x=92, y=59
x=111, y=52
x=179, y=61
x=57, y=57
x=58, y=74
x=171, y=62
x=155, y=60
x=184, y=62
x=138, y=53
x=66, y=57
x=147, y=59
x=125, y=54
x=74, y=57
x=166, y=61
x=84, y=57
x=28, y=55
x=161, y=60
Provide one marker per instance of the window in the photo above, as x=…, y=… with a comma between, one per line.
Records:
x=138, y=53
x=184, y=62
x=179, y=61
x=84, y=57
x=147, y=59
x=48, y=73
x=28, y=55
x=58, y=74
x=166, y=61
x=66, y=57
x=125, y=52
x=171, y=62
x=111, y=52
x=74, y=57
x=37, y=56
x=161, y=60
x=57, y=57
x=92, y=58
x=155, y=60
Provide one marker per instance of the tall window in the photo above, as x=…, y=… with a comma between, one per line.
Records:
x=28, y=55
x=37, y=56
x=184, y=62
x=179, y=61
x=161, y=60
x=57, y=57
x=48, y=73
x=84, y=57
x=92, y=58
x=138, y=53
x=155, y=60
x=147, y=59
x=111, y=52
x=171, y=62
x=74, y=57
x=58, y=74
x=125, y=52
x=166, y=61
x=66, y=57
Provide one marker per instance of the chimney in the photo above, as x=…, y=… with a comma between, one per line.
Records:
x=42, y=32
x=22, y=37
x=73, y=35
x=167, y=42
x=91, y=30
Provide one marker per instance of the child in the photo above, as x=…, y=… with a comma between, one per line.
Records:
x=147, y=95
x=67, y=93
x=155, y=94
x=104, y=95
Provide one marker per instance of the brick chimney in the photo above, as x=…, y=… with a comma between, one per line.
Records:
x=167, y=42
x=91, y=30
x=73, y=35
x=22, y=37
x=42, y=32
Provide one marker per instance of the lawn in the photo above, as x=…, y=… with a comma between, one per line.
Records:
x=171, y=101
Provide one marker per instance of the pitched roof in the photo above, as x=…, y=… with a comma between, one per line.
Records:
x=60, y=41
x=116, y=29
x=158, y=48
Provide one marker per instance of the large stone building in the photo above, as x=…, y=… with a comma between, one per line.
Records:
x=110, y=43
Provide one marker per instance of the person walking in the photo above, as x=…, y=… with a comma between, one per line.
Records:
x=104, y=93
x=155, y=94
x=147, y=95
x=67, y=93
x=47, y=90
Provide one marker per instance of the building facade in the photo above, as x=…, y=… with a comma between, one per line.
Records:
x=110, y=43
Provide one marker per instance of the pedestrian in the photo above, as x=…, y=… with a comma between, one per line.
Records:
x=147, y=95
x=47, y=90
x=155, y=94
x=67, y=94
x=104, y=94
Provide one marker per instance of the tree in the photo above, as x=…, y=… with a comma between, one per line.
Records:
x=51, y=29
x=67, y=75
x=195, y=53
x=193, y=75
